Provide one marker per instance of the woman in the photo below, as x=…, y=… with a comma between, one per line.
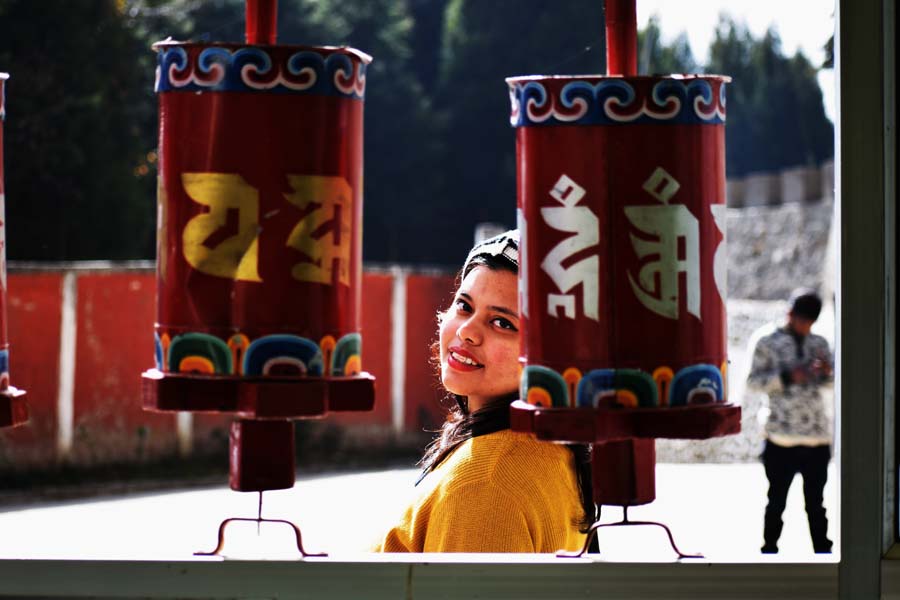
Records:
x=485, y=488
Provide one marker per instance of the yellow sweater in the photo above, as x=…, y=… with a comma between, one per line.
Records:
x=501, y=492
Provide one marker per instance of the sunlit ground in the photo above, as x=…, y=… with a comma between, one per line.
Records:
x=712, y=509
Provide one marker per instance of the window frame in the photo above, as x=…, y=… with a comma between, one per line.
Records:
x=866, y=308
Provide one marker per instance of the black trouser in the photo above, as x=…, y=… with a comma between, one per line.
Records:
x=781, y=464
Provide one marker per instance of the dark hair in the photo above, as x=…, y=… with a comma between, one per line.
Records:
x=462, y=425
x=806, y=304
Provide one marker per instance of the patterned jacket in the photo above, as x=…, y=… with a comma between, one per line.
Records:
x=798, y=414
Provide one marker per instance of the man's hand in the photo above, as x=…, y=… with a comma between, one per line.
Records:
x=799, y=375
x=820, y=369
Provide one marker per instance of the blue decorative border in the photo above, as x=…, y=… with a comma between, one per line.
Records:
x=615, y=101
x=255, y=69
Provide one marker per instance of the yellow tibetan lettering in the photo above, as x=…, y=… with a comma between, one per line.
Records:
x=162, y=257
x=235, y=256
x=324, y=234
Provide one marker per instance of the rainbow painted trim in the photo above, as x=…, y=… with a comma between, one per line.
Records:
x=255, y=69
x=623, y=388
x=596, y=100
x=266, y=356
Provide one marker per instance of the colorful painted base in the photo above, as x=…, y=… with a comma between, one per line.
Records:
x=258, y=397
x=13, y=408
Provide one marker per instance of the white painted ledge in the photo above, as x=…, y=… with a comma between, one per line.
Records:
x=519, y=577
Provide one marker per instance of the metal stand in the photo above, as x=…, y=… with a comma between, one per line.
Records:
x=259, y=520
x=261, y=441
x=624, y=522
x=624, y=474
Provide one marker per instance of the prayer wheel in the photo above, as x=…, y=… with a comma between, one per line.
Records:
x=260, y=210
x=621, y=212
x=621, y=208
x=259, y=257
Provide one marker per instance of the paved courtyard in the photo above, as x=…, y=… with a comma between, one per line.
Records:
x=714, y=509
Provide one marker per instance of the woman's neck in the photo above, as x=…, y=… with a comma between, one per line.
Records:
x=477, y=403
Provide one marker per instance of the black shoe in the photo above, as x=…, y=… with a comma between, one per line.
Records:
x=769, y=549
x=824, y=548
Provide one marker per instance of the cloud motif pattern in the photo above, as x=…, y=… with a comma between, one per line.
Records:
x=285, y=70
x=596, y=100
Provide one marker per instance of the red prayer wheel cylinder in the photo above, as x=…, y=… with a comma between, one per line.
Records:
x=13, y=409
x=260, y=210
x=621, y=208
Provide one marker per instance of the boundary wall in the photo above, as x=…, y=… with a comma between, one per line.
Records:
x=81, y=334
x=797, y=184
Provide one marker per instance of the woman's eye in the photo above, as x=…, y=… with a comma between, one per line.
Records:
x=463, y=306
x=504, y=324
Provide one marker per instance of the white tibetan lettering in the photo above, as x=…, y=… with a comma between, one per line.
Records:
x=661, y=185
x=581, y=221
x=657, y=285
x=564, y=301
x=522, y=224
x=720, y=259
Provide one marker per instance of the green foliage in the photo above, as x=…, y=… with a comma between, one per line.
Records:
x=428, y=25
x=77, y=106
x=484, y=43
x=399, y=141
x=776, y=117
x=656, y=57
x=398, y=138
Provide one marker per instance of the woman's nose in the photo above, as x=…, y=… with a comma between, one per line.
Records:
x=469, y=331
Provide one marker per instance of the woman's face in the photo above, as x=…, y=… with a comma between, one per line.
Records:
x=480, y=337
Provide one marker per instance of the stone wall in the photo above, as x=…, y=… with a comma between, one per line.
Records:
x=797, y=184
x=774, y=249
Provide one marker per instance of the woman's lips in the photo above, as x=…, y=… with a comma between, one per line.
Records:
x=461, y=360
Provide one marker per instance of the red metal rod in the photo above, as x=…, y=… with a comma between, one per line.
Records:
x=621, y=37
x=262, y=22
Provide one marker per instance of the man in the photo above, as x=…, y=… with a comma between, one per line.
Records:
x=791, y=364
